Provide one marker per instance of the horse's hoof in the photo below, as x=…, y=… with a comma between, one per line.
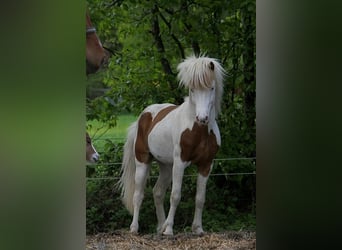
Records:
x=168, y=232
x=133, y=230
x=200, y=234
x=198, y=231
x=160, y=230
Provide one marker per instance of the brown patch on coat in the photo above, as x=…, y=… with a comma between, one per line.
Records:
x=161, y=114
x=141, y=147
x=145, y=126
x=199, y=147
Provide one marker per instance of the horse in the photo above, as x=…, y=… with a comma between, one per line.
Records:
x=96, y=55
x=91, y=154
x=175, y=137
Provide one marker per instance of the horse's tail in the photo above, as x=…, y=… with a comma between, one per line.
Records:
x=127, y=180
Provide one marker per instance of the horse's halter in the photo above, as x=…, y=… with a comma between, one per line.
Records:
x=90, y=30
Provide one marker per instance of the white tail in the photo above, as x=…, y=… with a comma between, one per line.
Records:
x=127, y=180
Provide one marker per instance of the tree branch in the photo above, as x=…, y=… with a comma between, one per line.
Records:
x=159, y=43
x=178, y=43
x=188, y=27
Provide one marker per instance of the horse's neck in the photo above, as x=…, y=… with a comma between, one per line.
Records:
x=88, y=21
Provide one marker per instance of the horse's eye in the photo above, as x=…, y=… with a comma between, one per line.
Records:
x=212, y=88
x=192, y=90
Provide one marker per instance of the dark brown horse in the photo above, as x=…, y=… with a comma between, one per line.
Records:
x=96, y=55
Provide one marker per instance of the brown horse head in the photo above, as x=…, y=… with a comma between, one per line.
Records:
x=91, y=155
x=96, y=55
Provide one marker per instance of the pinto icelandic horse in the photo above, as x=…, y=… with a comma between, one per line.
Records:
x=175, y=136
x=96, y=55
x=91, y=155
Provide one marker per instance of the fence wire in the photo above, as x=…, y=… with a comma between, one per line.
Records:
x=186, y=175
x=215, y=160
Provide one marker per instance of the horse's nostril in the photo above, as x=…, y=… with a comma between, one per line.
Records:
x=96, y=157
x=203, y=121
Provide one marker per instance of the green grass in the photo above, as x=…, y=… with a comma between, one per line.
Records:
x=99, y=131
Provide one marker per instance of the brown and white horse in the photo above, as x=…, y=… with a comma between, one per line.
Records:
x=91, y=155
x=175, y=136
x=96, y=55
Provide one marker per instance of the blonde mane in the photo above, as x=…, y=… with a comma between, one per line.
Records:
x=202, y=72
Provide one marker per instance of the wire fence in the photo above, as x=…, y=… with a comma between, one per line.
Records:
x=186, y=175
x=236, y=204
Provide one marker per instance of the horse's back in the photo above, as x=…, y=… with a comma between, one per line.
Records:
x=154, y=109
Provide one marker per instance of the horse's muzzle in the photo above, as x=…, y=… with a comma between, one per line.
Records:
x=202, y=120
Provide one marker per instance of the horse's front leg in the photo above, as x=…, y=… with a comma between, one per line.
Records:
x=200, y=199
x=177, y=177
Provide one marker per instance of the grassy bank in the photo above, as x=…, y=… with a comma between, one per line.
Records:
x=99, y=132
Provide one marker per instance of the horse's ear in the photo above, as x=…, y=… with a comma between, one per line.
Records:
x=211, y=66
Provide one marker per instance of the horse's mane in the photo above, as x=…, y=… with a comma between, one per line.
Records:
x=202, y=72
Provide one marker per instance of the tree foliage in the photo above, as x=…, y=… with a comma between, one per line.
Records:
x=149, y=39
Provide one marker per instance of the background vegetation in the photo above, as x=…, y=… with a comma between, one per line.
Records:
x=148, y=39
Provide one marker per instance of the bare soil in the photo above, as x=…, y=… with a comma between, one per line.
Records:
x=231, y=240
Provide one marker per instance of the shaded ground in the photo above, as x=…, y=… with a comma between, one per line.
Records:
x=124, y=240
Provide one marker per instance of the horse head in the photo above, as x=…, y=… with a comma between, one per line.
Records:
x=91, y=155
x=96, y=55
x=203, y=76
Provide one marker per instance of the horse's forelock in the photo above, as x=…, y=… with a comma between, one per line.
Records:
x=199, y=72
x=202, y=72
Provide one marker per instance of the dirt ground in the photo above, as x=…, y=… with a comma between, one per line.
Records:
x=122, y=240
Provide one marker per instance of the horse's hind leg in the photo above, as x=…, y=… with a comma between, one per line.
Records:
x=159, y=190
x=141, y=174
x=200, y=199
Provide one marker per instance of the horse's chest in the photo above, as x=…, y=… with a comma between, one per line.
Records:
x=199, y=147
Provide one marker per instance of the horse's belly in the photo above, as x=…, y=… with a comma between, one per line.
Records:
x=161, y=147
